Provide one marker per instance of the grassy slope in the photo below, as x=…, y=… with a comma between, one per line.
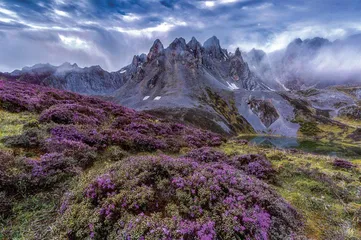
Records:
x=328, y=198
x=320, y=128
x=11, y=124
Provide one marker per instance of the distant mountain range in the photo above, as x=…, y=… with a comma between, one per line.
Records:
x=208, y=86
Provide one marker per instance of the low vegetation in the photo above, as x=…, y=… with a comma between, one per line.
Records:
x=76, y=167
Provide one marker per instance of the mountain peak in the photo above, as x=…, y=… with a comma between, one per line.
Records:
x=193, y=39
x=297, y=41
x=194, y=44
x=67, y=66
x=238, y=53
x=212, y=42
x=155, y=50
x=213, y=48
x=137, y=59
x=196, y=48
x=37, y=66
x=317, y=42
x=178, y=43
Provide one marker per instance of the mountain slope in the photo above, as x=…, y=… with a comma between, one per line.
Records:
x=309, y=63
x=89, y=80
x=177, y=77
x=74, y=157
x=77, y=167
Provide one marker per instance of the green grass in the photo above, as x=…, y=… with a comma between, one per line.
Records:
x=12, y=123
x=32, y=217
x=328, y=198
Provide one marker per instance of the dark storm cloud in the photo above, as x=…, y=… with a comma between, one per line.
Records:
x=109, y=33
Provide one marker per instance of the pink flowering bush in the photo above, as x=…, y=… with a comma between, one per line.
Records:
x=73, y=131
x=341, y=163
x=177, y=198
x=207, y=154
x=254, y=164
x=73, y=114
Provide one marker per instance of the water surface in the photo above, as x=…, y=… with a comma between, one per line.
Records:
x=310, y=146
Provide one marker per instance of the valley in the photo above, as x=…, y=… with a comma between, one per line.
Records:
x=186, y=142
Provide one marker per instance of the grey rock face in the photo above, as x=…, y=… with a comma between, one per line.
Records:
x=352, y=112
x=213, y=49
x=265, y=110
x=155, y=50
x=176, y=81
x=176, y=77
x=90, y=80
x=260, y=64
x=182, y=71
x=240, y=73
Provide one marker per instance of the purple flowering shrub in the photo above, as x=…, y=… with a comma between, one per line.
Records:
x=177, y=198
x=23, y=175
x=83, y=154
x=7, y=162
x=89, y=136
x=73, y=114
x=254, y=164
x=81, y=129
x=6, y=205
x=30, y=138
x=206, y=154
x=99, y=123
x=50, y=169
x=341, y=163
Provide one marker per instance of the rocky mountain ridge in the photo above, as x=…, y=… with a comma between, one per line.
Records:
x=308, y=63
x=205, y=85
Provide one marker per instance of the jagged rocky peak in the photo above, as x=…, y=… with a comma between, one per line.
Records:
x=255, y=57
x=238, y=68
x=155, y=50
x=212, y=42
x=297, y=41
x=139, y=59
x=257, y=54
x=67, y=67
x=37, y=68
x=95, y=68
x=66, y=64
x=316, y=42
x=193, y=44
x=195, y=47
x=238, y=53
x=213, y=48
x=178, y=44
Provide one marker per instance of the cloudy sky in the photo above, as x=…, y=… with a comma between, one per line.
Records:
x=109, y=32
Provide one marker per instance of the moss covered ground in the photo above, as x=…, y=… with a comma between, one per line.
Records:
x=329, y=198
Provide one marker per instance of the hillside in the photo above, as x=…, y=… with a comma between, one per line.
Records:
x=227, y=93
x=78, y=167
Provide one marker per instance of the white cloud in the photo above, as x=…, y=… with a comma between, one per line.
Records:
x=281, y=40
x=131, y=17
x=6, y=20
x=74, y=42
x=209, y=4
x=258, y=7
x=61, y=13
x=163, y=27
x=60, y=2
x=212, y=4
x=8, y=12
